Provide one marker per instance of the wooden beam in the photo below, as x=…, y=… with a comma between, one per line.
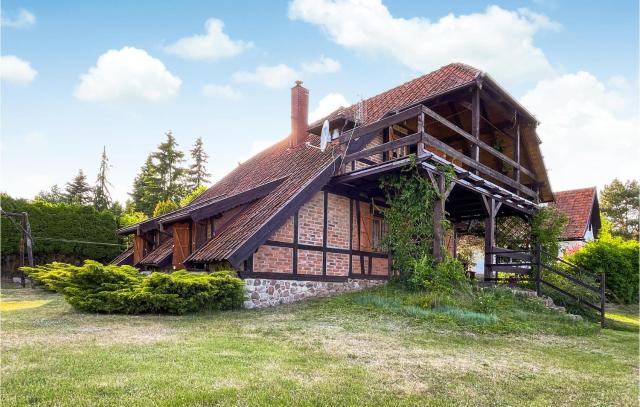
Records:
x=477, y=142
x=434, y=142
x=360, y=136
x=475, y=124
x=391, y=145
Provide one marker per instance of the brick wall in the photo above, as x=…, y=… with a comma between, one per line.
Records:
x=338, y=221
x=309, y=262
x=271, y=259
x=310, y=220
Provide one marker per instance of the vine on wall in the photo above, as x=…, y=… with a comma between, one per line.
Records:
x=411, y=198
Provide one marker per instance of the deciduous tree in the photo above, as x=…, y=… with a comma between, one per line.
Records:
x=620, y=203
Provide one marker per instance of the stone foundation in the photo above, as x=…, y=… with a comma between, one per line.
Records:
x=267, y=292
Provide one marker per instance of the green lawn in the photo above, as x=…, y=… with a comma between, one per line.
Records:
x=338, y=351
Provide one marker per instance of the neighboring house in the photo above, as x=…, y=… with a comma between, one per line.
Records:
x=296, y=221
x=583, y=214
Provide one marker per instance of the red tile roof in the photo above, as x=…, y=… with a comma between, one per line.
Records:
x=160, y=254
x=299, y=165
x=445, y=79
x=578, y=205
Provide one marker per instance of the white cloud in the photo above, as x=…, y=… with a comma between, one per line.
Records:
x=214, y=44
x=322, y=65
x=128, y=74
x=16, y=70
x=24, y=19
x=498, y=41
x=327, y=105
x=221, y=91
x=276, y=76
x=588, y=135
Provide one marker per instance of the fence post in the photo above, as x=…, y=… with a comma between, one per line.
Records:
x=538, y=265
x=602, y=299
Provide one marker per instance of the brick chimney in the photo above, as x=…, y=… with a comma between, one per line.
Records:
x=299, y=114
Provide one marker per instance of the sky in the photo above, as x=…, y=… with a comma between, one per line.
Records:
x=79, y=76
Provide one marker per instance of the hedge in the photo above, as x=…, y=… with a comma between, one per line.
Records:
x=94, y=287
x=618, y=259
x=61, y=221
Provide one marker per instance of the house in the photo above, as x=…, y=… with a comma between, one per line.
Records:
x=582, y=209
x=296, y=221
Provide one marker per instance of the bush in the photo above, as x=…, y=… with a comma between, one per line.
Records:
x=443, y=277
x=163, y=207
x=618, y=259
x=94, y=287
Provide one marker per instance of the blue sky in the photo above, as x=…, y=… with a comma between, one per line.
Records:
x=573, y=64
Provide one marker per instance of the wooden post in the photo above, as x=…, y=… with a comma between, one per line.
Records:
x=455, y=242
x=602, y=299
x=438, y=215
x=421, y=149
x=21, y=253
x=538, y=265
x=516, y=157
x=492, y=207
x=475, y=123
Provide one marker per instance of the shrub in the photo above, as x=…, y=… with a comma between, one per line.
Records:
x=618, y=259
x=163, y=207
x=192, y=195
x=443, y=277
x=94, y=287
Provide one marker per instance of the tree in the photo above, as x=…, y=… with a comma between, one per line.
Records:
x=78, y=191
x=101, y=194
x=54, y=195
x=198, y=174
x=146, y=188
x=171, y=174
x=164, y=207
x=620, y=203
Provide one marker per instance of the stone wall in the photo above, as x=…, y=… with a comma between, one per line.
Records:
x=267, y=292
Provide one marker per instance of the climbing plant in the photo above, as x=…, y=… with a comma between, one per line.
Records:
x=410, y=197
x=547, y=225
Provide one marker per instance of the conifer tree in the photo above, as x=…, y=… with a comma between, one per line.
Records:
x=171, y=174
x=78, y=191
x=101, y=194
x=146, y=188
x=198, y=175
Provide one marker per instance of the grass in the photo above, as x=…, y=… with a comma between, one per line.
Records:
x=379, y=347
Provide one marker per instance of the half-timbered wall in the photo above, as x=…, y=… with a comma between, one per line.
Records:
x=321, y=240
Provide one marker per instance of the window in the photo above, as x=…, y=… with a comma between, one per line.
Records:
x=379, y=232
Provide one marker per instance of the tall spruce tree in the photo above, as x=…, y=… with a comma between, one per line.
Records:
x=146, y=188
x=198, y=175
x=101, y=195
x=78, y=191
x=168, y=162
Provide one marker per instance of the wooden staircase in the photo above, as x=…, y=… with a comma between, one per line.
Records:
x=513, y=266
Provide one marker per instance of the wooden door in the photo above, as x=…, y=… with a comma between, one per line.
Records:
x=180, y=244
x=138, y=249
